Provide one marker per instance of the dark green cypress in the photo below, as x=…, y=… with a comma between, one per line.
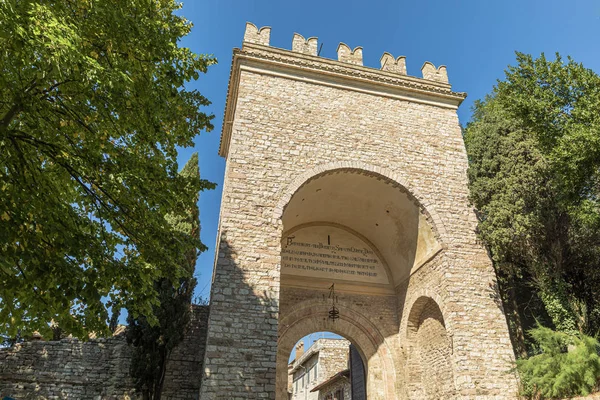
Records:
x=153, y=344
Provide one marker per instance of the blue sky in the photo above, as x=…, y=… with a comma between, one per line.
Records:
x=476, y=40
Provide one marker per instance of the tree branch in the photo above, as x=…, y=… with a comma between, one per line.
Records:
x=8, y=117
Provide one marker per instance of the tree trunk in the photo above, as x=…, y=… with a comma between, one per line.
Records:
x=158, y=386
x=508, y=294
x=517, y=335
x=8, y=117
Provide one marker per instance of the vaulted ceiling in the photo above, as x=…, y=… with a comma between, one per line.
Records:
x=378, y=209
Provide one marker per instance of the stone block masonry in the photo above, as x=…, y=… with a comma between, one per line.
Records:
x=184, y=368
x=99, y=368
x=67, y=369
x=292, y=119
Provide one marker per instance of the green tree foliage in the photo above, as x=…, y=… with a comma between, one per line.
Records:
x=92, y=109
x=153, y=343
x=534, y=171
x=567, y=365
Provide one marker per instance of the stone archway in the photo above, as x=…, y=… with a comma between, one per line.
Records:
x=429, y=369
x=352, y=158
x=381, y=214
x=312, y=316
x=365, y=233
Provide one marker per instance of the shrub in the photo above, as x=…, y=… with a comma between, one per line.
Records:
x=567, y=365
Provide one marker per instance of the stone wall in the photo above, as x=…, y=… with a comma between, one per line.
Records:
x=98, y=368
x=434, y=354
x=334, y=358
x=342, y=383
x=67, y=369
x=184, y=368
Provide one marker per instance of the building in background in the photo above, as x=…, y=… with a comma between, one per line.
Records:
x=335, y=388
x=325, y=371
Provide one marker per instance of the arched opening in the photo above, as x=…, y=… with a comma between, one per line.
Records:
x=351, y=238
x=429, y=361
x=340, y=215
x=311, y=315
x=326, y=366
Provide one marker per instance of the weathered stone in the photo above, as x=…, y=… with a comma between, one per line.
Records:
x=98, y=368
x=313, y=143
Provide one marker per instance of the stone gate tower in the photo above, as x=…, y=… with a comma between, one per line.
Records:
x=339, y=174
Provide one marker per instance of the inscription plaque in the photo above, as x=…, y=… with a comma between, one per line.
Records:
x=331, y=253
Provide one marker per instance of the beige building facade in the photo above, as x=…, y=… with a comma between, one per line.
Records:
x=338, y=387
x=312, y=368
x=339, y=174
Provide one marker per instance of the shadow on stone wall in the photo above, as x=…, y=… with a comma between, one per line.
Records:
x=66, y=369
x=98, y=368
x=242, y=339
x=184, y=366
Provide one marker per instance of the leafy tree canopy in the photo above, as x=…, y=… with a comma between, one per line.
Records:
x=534, y=172
x=92, y=109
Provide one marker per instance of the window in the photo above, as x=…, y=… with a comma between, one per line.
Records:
x=339, y=394
x=308, y=377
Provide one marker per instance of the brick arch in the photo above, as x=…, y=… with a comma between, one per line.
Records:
x=416, y=305
x=392, y=177
x=429, y=364
x=311, y=316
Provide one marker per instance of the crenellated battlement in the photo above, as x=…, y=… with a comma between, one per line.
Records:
x=430, y=72
x=350, y=56
x=305, y=46
x=345, y=54
x=303, y=63
x=388, y=63
x=258, y=36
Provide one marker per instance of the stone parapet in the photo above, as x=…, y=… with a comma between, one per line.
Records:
x=348, y=72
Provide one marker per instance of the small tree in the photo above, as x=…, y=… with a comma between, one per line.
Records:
x=567, y=365
x=153, y=343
